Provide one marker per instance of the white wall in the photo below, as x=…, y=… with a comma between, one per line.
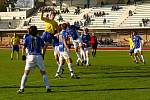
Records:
x=10, y=15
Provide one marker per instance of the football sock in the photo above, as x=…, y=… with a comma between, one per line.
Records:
x=70, y=67
x=142, y=57
x=23, y=81
x=45, y=78
x=135, y=58
x=12, y=55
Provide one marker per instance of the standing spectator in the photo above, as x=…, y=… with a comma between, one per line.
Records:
x=94, y=44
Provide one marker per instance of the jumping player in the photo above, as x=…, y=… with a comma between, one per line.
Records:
x=76, y=40
x=50, y=27
x=64, y=53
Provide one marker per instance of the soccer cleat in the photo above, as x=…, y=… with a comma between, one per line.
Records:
x=11, y=58
x=58, y=76
x=62, y=71
x=77, y=63
x=135, y=62
x=20, y=91
x=85, y=61
x=75, y=77
x=48, y=90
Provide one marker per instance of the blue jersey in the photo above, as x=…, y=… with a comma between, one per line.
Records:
x=56, y=41
x=62, y=36
x=72, y=31
x=34, y=45
x=86, y=40
x=25, y=36
x=137, y=41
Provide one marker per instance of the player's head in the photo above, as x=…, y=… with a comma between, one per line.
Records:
x=93, y=34
x=86, y=30
x=64, y=26
x=28, y=30
x=134, y=33
x=33, y=31
x=59, y=27
x=14, y=34
x=52, y=15
x=68, y=24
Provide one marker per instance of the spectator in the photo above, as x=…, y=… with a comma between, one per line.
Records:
x=130, y=13
x=104, y=21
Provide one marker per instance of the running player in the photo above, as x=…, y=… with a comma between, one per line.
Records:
x=15, y=41
x=34, y=45
x=50, y=27
x=86, y=44
x=138, y=43
x=64, y=53
x=131, y=44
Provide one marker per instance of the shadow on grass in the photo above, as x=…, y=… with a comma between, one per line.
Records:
x=90, y=90
x=14, y=86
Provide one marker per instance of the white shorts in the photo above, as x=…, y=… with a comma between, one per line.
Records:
x=77, y=42
x=87, y=50
x=33, y=60
x=56, y=50
x=64, y=55
x=137, y=49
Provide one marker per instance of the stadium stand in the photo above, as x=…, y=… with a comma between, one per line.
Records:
x=141, y=12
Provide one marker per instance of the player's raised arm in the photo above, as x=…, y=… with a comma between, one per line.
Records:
x=42, y=16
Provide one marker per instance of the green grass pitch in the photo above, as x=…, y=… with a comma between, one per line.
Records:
x=112, y=76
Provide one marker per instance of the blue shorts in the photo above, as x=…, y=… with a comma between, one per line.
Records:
x=47, y=37
x=131, y=51
x=15, y=48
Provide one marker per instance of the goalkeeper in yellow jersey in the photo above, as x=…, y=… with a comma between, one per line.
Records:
x=15, y=41
x=50, y=26
x=131, y=44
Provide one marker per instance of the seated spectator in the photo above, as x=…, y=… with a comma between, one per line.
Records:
x=104, y=21
x=60, y=18
x=66, y=10
x=77, y=11
x=130, y=13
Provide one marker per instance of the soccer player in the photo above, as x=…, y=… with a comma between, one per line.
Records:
x=64, y=53
x=50, y=27
x=76, y=40
x=15, y=41
x=94, y=44
x=131, y=44
x=86, y=44
x=34, y=44
x=138, y=43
